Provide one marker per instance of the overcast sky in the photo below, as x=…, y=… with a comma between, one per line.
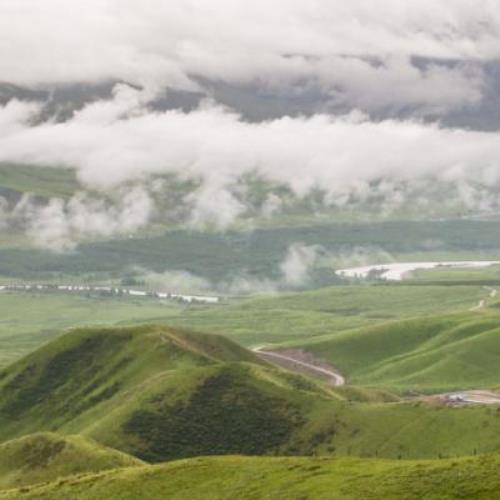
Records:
x=372, y=86
x=358, y=51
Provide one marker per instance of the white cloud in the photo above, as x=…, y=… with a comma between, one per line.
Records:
x=298, y=263
x=60, y=224
x=279, y=43
x=110, y=144
x=294, y=272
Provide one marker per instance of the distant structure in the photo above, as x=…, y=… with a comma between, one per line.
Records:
x=112, y=291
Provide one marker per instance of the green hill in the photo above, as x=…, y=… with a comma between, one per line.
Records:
x=433, y=354
x=86, y=368
x=161, y=394
x=280, y=478
x=45, y=456
x=157, y=393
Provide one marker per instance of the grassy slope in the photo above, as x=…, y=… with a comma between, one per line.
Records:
x=457, y=274
x=159, y=394
x=290, y=478
x=446, y=352
x=30, y=320
x=44, y=457
x=303, y=315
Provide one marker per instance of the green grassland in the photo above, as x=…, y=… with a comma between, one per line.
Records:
x=120, y=397
x=155, y=392
x=88, y=412
x=283, y=478
x=161, y=394
x=45, y=457
x=432, y=354
x=279, y=318
x=29, y=320
x=457, y=274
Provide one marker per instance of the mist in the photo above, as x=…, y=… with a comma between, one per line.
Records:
x=387, y=79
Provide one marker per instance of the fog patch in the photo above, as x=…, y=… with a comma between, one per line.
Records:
x=297, y=265
x=293, y=272
x=61, y=224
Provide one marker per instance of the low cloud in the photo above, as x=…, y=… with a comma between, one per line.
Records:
x=299, y=261
x=357, y=54
x=61, y=224
x=111, y=142
x=294, y=271
x=119, y=146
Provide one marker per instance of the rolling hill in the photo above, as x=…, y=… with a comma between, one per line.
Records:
x=159, y=393
x=43, y=457
x=441, y=353
x=291, y=478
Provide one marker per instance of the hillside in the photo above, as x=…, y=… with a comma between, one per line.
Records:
x=290, y=478
x=44, y=457
x=300, y=316
x=441, y=353
x=31, y=319
x=158, y=394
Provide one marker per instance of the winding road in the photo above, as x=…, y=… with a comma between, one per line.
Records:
x=289, y=361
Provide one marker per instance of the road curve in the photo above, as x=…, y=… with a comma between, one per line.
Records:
x=334, y=377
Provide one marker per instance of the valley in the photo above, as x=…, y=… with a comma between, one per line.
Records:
x=249, y=250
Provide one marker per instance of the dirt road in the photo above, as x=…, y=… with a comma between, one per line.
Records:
x=478, y=397
x=466, y=398
x=302, y=362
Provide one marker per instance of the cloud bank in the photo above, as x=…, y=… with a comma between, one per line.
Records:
x=112, y=142
x=354, y=52
x=117, y=146
x=421, y=58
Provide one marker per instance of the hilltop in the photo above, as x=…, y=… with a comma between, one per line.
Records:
x=157, y=393
x=46, y=456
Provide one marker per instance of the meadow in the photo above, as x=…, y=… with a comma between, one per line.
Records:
x=160, y=394
x=457, y=274
x=431, y=354
x=294, y=478
x=31, y=319
x=274, y=319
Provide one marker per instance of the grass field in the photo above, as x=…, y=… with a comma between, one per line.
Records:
x=157, y=393
x=299, y=316
x=457, y=274
x=29, y=320
x=227, y=478
x=162, y=394
x=442, y=353
x=43, y=457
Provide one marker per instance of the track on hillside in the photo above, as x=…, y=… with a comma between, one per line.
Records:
x=301, y=362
